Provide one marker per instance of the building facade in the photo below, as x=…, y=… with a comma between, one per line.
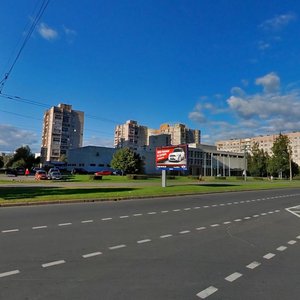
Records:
x=133, y=135
x=62, y=130
x=265, y=142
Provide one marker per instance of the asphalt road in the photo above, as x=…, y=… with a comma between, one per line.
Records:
x=243, y=245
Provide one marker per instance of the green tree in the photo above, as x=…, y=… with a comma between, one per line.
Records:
x=1, y=162
x=127, y=161
x=22, y=158
x=257, y=161
x=279, y=161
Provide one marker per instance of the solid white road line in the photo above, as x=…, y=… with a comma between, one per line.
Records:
x=292, y=242
x=281, y=248
x=234, y=276
x=64, y=224
x=143, y=241
x=10, y=230
x=116, y=247
x=91, y=254
x=253, y=265
x=14, y=272
x=269, y=255
x=207, y=292
x=53, y=263
x=39, y=227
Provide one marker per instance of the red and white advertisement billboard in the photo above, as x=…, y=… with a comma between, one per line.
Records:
x=172, y=157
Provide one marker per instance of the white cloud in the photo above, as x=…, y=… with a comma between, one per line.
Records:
x=46, y=32
x=12, y=138
x=262, y=45
x=70, y=34
x=278, y=22
x=267, y=112
x=270, y=82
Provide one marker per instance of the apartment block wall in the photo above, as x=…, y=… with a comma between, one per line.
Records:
x=264, y=142
x=62, y=130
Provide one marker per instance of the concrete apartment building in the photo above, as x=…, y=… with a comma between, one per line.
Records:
x=133, y=135
x=62, y=130
x=264, y=142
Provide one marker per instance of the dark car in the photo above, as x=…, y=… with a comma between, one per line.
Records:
x=79, y=171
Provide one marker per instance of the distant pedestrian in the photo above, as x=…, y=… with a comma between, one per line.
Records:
x=27, y=172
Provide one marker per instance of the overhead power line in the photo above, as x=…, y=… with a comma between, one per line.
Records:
x=26, y=39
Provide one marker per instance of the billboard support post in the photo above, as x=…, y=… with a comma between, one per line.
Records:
x=163, y=178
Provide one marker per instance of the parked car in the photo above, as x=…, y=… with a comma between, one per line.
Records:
x=177, y=155
x=103, y=172
x=54, y=175
x=11, y=172
x=20, y=171
x=79, y=171
x=40, y=175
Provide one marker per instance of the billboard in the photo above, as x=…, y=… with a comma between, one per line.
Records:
x=172, y=157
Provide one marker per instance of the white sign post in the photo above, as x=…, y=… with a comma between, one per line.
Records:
x=163, y=178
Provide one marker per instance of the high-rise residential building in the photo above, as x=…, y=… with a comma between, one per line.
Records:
x=62, y=130
x=265, y=142
x=133, y=135
x=130, y=135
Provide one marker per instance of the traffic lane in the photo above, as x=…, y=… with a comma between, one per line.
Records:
x=177, y=267
x=26, y=217
x=37, y=245
x=16, y=217
x=40, y=243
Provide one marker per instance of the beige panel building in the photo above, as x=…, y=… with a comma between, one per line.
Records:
x=265, y=142
x=62, y=130
x=133, y=135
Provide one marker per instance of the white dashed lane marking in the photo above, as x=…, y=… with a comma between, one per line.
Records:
x=116, y=247
x=87, y=221
x=123, y=217
x=269, y=255
x=53, y=263
x=106, y=219
x=137, y=215
x=234, y=276
x=292, y=242
x=253, y=265
x=5, y=274
x=207, y=292
x=64, y=224
x=40, y=227
x=10, y=230
x=281, y=248
x=166, y=236
x=91, y=254
x=144, y=241
x=184, y=231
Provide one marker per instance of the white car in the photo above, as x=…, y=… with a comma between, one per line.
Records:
x=177, y=155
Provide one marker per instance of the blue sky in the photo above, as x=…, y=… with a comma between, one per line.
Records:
x=227, y=67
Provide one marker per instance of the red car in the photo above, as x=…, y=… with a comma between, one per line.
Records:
x=103, y=172
x=41, y=175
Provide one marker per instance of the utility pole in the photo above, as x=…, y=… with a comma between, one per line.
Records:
x=290, y=163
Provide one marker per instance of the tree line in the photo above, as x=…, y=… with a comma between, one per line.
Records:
x=280, y=163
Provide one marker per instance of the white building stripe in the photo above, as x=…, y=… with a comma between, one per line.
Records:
x=253, y=265
x=269, y=255
x=91, y=254
x=14, y=272
x=234, y=276
x=207, y=292
x=53, y=263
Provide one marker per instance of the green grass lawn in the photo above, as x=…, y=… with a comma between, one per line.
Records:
x=81, y=187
